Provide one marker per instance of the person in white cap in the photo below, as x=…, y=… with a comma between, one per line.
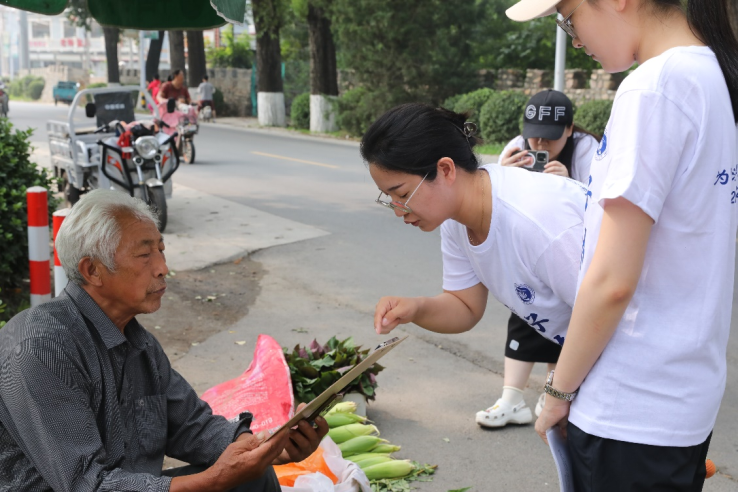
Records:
x=642, y=372
x=548, y=125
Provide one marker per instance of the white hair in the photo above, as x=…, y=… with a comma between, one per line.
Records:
x=92, y=229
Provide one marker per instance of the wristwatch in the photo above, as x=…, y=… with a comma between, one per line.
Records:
x=564, y=396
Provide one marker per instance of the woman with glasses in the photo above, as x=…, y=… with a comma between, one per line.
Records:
x=641, y=376
x=504, y=231
x=548, y=125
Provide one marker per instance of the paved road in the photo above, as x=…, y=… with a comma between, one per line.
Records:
x=329, y=285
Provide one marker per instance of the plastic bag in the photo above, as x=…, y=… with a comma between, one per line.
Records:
x=264, y=389
x=349, y=476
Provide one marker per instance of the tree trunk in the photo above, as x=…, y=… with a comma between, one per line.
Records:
x=322, y=53
x=270, y=96
x=324, y=87
x=152, y=58
x=111, y=54
x=195, y=57
x=176, y=51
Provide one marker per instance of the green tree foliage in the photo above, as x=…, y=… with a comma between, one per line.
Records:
x=405, y=51
x=472, y=103
x=17, y=173
x=236, y=52
x=357, y=110
x=593, y=115
x=501, y=117
x=28, y=86
x=300, y=111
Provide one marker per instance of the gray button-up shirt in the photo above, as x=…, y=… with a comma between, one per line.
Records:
x=85, y=408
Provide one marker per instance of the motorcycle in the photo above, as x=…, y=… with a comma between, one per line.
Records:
x=4, y=97
x=206, y=114
x=182, y=120
x=136, y=157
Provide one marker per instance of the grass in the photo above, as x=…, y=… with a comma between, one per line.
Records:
x=494, y=149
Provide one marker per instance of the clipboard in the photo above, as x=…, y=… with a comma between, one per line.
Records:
x=323, y=401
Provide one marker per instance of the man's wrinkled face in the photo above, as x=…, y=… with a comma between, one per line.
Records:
x=138, y=283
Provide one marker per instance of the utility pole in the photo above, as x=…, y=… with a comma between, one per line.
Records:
x=559, y=58
x=23, y=41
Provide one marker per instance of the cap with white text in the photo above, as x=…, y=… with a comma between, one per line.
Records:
x=546, y=115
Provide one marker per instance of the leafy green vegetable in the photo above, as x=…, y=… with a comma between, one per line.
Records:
x=421, y=473
x=315, y=368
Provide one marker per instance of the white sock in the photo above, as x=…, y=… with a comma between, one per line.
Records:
x=512, y=395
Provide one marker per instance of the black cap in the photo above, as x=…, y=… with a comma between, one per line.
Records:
x=546, y=115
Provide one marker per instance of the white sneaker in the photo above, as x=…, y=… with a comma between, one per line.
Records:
x=540, y=404
x=503, y=413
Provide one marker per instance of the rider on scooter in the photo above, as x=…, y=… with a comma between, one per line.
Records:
x=175, y=89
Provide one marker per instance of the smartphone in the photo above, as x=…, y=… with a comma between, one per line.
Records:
x=541, y=158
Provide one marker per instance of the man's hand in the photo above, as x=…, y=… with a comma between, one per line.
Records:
x=554, y=413
x=392, y=311
x=556, y=168
x=303, y=440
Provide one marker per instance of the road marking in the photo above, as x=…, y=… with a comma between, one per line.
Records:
x=296, y=160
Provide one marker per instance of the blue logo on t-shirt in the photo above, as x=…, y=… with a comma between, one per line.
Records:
x=601, y=152
x=526, y=294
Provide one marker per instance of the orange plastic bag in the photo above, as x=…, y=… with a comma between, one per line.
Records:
x=288, y=473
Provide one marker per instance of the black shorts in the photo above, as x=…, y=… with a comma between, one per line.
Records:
x=206, y=102
x=602, y=464
x=525, y=344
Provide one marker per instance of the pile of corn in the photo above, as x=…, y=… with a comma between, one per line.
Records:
x=360, y=443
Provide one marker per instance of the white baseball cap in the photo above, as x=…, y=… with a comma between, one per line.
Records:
x=525, y=10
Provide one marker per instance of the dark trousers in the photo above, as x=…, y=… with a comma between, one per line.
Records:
x=268, y=481
x=601, y=464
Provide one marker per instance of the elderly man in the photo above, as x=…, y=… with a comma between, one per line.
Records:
x=88, y=399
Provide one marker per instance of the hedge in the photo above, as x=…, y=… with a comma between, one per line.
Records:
x=593, y=115
x=473, y=102
x=300, y=111
x=502, y=115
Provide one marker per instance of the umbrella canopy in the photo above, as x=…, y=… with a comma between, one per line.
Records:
x=150, y=15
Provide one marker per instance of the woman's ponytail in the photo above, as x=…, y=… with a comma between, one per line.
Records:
x=709, y=20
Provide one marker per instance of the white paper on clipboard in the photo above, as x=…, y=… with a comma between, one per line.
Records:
x=561, y=454
x=348, y=377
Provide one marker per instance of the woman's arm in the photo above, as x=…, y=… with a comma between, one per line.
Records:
x=604, y=294
x=451, y=312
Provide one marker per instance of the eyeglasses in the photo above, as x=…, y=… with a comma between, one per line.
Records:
x=566, y=25
x=397, y=205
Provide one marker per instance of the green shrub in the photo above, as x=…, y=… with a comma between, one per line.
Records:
x=450, y=102
x=21, y=88
x=35, y=89
x=220, y=105
x=501, y=116
x=473, y=102
x=356, y=111
x=300, y=111
x=97, y=84
x=593, y=115
x=17, y=173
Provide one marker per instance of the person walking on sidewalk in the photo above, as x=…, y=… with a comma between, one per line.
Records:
x=547, y=126
x=504, y=231
x=641, y=376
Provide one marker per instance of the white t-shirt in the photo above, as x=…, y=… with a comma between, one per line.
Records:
x=670, y=148
x=585, y=147
x=530, y=259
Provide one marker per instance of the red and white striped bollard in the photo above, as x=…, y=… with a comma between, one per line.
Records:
x=38, y=244
x=60, y=278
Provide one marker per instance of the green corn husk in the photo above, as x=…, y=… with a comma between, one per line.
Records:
x=386, y=448
x=344, y=407
x=367, y=455
x=359, y=445
x=347, y=432
x=335, y=420
x=389, y=470
x=371, y=461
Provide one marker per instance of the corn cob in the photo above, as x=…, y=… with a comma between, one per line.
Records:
x=367, y=455
x=347, y=432
x=359, y=445
x=371, y=461
x=385, y=448
x=344, y=407
x=335, y=420
x=389, y=470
